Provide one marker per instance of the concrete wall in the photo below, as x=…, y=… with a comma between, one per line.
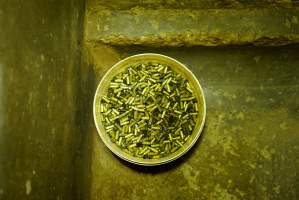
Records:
x=41, y=76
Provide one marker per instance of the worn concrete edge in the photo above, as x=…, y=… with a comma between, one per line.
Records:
x=189, y=39
x=190, y=36
x=185, y=4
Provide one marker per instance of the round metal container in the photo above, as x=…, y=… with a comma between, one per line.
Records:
x=176, y=66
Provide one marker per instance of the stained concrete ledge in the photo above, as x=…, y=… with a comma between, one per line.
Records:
x=194, y=4
x=211, y=27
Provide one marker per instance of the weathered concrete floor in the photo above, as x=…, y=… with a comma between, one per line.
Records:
x=249, y=147
x=250, y=144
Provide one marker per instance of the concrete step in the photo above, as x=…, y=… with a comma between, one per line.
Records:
x=185, y=4
x=185, y=27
